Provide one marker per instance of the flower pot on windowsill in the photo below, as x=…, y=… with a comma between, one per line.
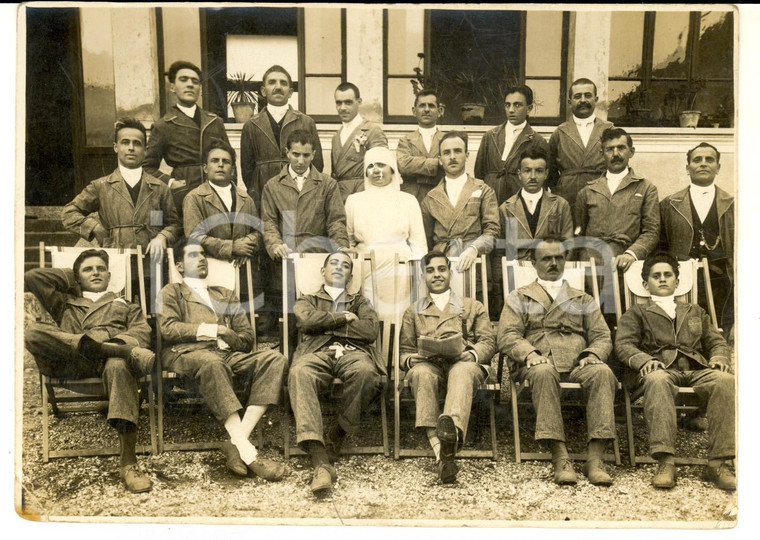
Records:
x=473, y=113
x=689, y=118
x=242, y=111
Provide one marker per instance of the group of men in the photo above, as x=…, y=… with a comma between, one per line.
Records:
x=548, y=330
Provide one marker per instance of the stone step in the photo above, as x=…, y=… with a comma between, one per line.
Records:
x=58, y=238
x=43, y=225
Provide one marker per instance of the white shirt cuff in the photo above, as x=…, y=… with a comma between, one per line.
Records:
x=632, y=254
x=206, y=332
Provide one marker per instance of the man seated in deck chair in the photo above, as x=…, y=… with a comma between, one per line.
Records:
x=445, y=340
x=552, y=332
x=207, y=336
x=670, y=344
x=338, y=331
x=98, y=334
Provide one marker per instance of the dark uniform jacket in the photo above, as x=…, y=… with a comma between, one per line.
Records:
x=320, y=321
x=502, y=176
x=129, y=225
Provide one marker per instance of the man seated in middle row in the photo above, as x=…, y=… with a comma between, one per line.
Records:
x=552, y=332
x=446, y=341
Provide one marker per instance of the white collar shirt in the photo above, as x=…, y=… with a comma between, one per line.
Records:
x=427, y=136
x=349, y=127
x=454, y=188
x=702, y=197
x=189, y=111
x=551, y=287
x=585, y=127
x=441, y=300
x=225, y=193
x=206, y=331
x=531, y=199
x=300, y=179
x=667, y=303
x=334, y=292
x=613, y=180
x=277, y=111
x=131, y=176
x=510, y=135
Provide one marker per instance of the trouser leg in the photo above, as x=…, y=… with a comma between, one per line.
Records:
x=57, y=353
x=464, y=378
x=660, y=390
x=263, y=372
x=544, y=387
x=717, y=388
x=122, y=390
x=425, y=380
x=360, y=382
x=214, y=377
x=309, y=376
x=599, y=386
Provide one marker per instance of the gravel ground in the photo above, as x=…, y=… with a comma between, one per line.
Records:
x=190, y=486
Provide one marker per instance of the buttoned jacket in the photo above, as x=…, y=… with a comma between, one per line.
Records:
x=645, y=332
x=181, y=312
x=628, y=219
x=128, y=224
x=179, y=141
x=415, y=163
x=108, y=318
x=261, y=157
x=503, y=175
x=320, y=320
x=678, y=227
x=312, y=220
x=206, y=219
x=474, y=221
x=423, y=318
x=564, y=329
x=347, y=161
x=554, y=218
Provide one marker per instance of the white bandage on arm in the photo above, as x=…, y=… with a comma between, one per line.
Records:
x=206, y=332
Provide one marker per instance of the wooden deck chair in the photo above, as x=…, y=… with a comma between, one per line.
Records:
x=465, y=285
x=88, y=394
x=517, y=274
x=634, y=292
x=220, y=273
x=305, y=269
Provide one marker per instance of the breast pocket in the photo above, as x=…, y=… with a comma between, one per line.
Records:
x=634, y=204
x=472, y=209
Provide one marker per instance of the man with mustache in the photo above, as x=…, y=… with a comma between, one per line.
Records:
x=182, y=136
x=207, y=337
x=417, y=152
x=551, y=332
x=575, y=145
x=443, y=314
x=338, y=331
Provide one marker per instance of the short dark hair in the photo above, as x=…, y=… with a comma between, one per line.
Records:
x=534, y=151
x=582, y=80
x=430, y=255
x=277, y=69
x=658, y=257
x=549, y=239
x=453, y=135
x=327, y=259
x=128, y=122
x=345, y=86
x=218, y=144
x=426, y=92
x=521, y=89
x=182, y=64
x=300, y=136
x=86, y=254
x=179, y=247
x=702, y=145
x=615, y=133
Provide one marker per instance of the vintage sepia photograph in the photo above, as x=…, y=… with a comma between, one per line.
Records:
x=431, y=265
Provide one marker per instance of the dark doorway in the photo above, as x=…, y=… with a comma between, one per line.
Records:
x=53, y=90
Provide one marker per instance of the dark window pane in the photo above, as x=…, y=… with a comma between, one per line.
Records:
x=716, y=102
x=716, y=45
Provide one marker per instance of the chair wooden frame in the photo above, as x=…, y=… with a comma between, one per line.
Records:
x=576, y=273
x=90, y=389
x=167, y=376
x=317, y=260
x=400, y=383
x=687, y=291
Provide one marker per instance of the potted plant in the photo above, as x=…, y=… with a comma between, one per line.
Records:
x=680, y=102
x=243, y=99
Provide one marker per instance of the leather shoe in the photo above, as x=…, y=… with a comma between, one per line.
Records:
x=695, y=423
x=447, y=471
x=596, y=473
x=234, y=462
x=448, y=435
x=665, y=477
x=134, y=479
x=269, y=470
x=721, y=476
x=564, y=473
x=323, y=480
x=142, y=360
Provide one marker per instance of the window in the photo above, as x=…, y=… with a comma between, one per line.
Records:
x=308, y=42
x=666, y=62
x=471, y=56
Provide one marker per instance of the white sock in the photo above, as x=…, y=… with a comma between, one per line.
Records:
x=251, y=417
x=435, y=442
x=239, y=438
